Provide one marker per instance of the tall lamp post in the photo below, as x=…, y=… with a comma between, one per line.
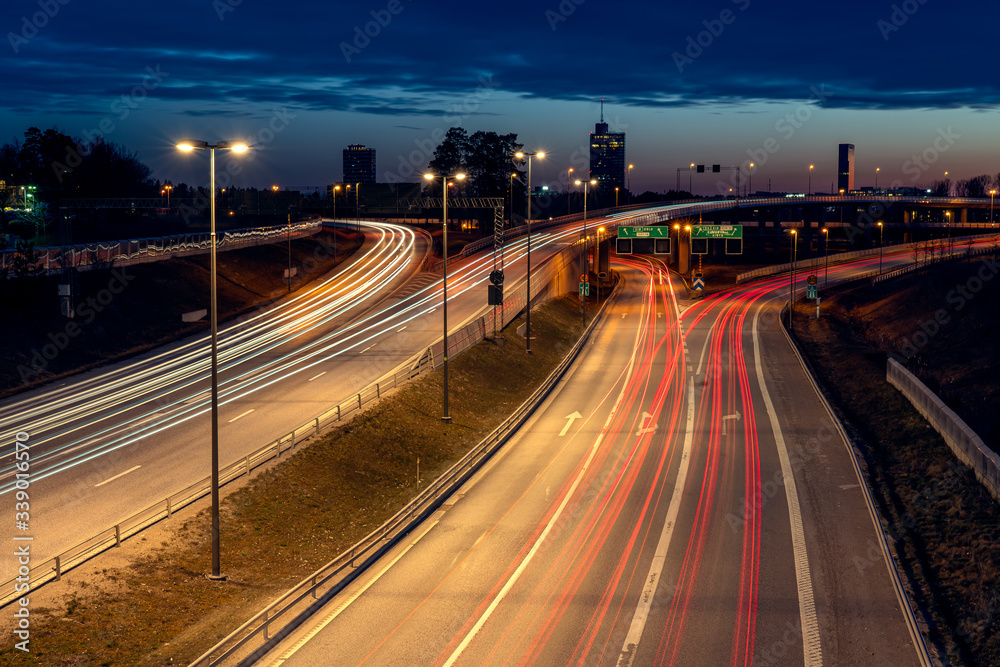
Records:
x=584, y=260
x=877, y=169
x=880, y=243
x=236, y=147
x=750, y=179
x=357, y=206
x=690, y=175
x=826, y=255
x=992, y=192
x=811, y=167
x=510, y=213
x=446, y=417
x=616, y=196
x=947, y=223
x=629, y=172
x=569, y=195
x=527, y=313
x=791, y=277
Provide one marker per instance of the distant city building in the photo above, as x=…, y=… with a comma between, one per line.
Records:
x=607, y=156
x=359, y=164
x=845, y=168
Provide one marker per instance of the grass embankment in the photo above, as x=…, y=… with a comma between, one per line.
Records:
x=293, y=518
x=125, y=311
x=945, y=526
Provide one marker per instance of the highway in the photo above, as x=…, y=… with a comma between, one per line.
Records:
x=109, y=442
x=682, y=497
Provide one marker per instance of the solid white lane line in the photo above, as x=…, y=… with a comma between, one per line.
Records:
x=704, y=347
x=336, y=612
x=121, y=474
x=811, y=649
x=366, y=349
x=400, y=329
x=242, y=415
x=641, y=615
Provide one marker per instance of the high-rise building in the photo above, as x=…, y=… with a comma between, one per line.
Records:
x=607, y=156
x=359, y=164
x=845, y=168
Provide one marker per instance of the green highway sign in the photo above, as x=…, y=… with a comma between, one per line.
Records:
x=644, y=232
x=717, y=232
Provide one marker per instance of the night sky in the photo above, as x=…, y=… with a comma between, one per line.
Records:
x=701, y=82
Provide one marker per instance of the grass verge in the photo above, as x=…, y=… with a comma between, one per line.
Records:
x=289, y=520
x=944, y=525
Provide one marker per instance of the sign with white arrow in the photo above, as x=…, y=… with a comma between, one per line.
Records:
x=569, y=422
x=735, y=416
x=647, y=425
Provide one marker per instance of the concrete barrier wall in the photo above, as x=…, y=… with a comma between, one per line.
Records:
x=962, y=440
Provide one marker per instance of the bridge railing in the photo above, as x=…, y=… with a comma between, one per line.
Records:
x=55, y=259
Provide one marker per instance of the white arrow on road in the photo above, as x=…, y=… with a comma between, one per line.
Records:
x=569, y=422
x=647, y=425
x=735, y=416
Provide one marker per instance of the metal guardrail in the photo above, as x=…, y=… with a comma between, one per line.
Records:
x=963, y=441
x=474, y=330
x=317, y=589
x=53, y=260
x=817, y=262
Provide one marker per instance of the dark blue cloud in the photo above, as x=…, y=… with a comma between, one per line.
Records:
x=363, y=57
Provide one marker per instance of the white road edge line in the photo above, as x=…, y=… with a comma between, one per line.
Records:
x=242, y=415
x=336, y=612
x=121, y=474
x=812, y=652
x=552, y=522
x=660, y=556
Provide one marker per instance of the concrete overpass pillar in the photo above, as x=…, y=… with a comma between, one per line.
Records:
x=965, y=215
x=684, y=253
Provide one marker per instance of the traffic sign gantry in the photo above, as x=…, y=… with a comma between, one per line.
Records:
x=644, y=232
x=717, y=232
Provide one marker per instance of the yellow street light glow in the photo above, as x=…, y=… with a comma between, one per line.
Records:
x=676, y=226
x=427, y=176
x=540, y=155
x=600, y=229
x=239, y=148
x=687, y=228
x=185, y=146
x=459, y=177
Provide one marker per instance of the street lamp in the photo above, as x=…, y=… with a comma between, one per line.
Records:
x=811, y=167
x=585, y=262
x=947, y=218
x=569, y=195
x=826, y=255
x=167, y=188
x=357, y=206
x=629, y=172
x=992, y=192
x=750, y=179
x=690, y=173
x=444, y=251
x=876, y=177
x=616, y=196
x=510, y=214
x=791, y=277
x=527, y=314
x=236, y=147
x=880, y=228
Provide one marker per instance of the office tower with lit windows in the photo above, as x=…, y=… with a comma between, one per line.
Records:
x=359, y=164
x=607, y=156
x=845, y=168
